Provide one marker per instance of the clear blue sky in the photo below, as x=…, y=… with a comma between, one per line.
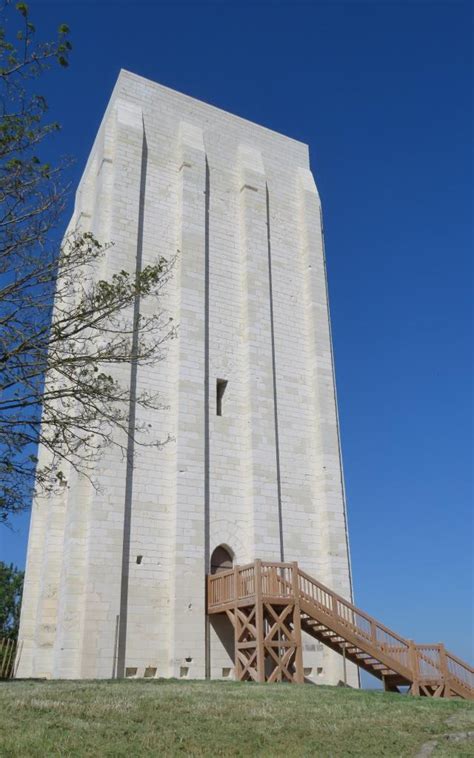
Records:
x=382, y=93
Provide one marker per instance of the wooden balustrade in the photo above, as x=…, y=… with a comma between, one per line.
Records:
x=8, y=651
x=460, y=670
x=429, y=662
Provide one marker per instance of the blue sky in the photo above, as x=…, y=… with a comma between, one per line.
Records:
x=382, y=94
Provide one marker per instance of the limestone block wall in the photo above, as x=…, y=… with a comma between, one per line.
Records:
x=115, y=582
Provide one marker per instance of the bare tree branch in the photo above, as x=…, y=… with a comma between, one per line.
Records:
x=63, y=331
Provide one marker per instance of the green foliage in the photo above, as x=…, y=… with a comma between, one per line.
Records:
x=31, y=59
x=59, y=385
x=11, y=588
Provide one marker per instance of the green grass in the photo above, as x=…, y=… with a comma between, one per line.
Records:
x=168, y=718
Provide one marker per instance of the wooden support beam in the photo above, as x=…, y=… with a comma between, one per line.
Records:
x=260, y=632
x=299, y=671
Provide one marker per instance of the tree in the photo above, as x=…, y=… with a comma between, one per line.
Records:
x=62, y=330
x=11, y=588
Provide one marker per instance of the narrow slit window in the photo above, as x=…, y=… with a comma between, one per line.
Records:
x=221, y=385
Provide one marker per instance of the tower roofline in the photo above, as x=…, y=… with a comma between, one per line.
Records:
x=125, y=73
x=125, y=76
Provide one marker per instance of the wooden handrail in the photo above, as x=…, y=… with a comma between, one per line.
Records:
x=460, y=662
x=354, y=608
x=466, y=676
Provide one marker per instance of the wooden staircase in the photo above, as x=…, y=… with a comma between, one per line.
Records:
x=270, y=604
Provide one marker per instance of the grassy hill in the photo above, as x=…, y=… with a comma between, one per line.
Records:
x=168, y=718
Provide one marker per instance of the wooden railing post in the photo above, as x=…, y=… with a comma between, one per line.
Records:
x=443, y=665
x=259, y=622
x=294, y=580
x=373, y=631
x=274, y=587
x=299, y=671
x=414, y=667
x=236, y=583
x=237, y=663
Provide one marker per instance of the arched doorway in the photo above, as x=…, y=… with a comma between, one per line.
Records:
x=221, y=560
x=221, y=631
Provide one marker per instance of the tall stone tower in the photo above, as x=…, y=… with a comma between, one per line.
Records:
x=115, y=578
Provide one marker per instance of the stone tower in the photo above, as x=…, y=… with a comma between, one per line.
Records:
x=115, y=578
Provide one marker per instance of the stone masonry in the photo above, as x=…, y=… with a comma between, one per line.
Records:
x=115, y=578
